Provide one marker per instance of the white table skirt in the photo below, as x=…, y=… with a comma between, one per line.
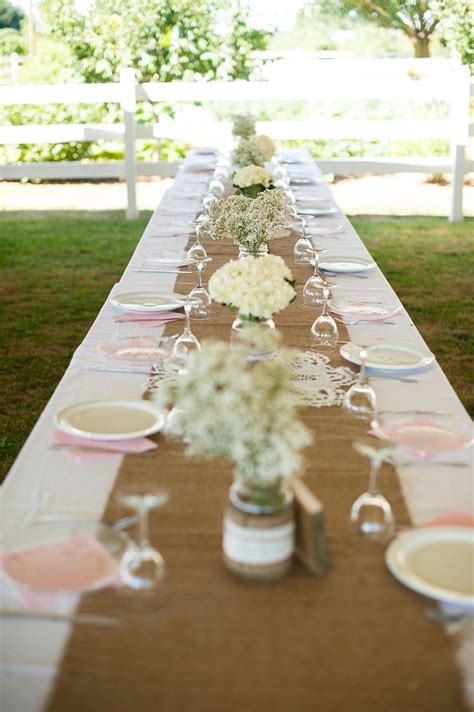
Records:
x=45, y=481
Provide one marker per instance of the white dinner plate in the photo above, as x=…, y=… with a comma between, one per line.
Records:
x=436, y=561
x=364, y=308
x=346, y=264
x=316, y=212
x=388, y=357
x=110, y=420
x=146, y=301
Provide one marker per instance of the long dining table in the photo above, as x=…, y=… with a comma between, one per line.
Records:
x=354, y=639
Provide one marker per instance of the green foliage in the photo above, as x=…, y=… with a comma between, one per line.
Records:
x=412, y=17
x=10, y=15
x=456, y=26
x=173, y=39
x=11, y=41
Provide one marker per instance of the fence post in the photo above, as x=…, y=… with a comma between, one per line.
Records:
x=14, y=68
x=460, y=120
x=128, y=104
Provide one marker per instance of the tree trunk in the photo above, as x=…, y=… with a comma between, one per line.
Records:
x=421, y=46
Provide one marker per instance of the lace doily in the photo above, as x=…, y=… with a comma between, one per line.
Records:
x=317, y=383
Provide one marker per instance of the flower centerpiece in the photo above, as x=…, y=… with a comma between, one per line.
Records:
x=246, y=413
x=243, y=125
x=250, y=223
x=255, y=289
x=252, y=180
x=255, y=150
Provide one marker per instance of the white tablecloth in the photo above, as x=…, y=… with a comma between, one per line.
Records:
x=46, y=481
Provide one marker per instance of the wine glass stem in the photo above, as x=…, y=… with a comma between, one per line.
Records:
x=374, y=470
x=200, y=274
x=363, y=373
x=187, y=313
x=143, y=527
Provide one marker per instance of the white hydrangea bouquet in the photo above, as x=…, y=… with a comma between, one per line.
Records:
x=250, y=223
x=254, y=151
x=243, y=125
x=254, y=288
x=252, y=180
x=239, y=410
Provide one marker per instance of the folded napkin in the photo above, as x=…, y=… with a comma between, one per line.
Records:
x=79, y=454
x=153, y=320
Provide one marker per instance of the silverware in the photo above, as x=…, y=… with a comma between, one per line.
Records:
x=367, y=321
x=344, y=274
x=462, y=617
x=419, y=412
x=431, y=463
x=80, y=618
x=125, y=522
x=117, y=369
x=164, y=271
x=402, y=379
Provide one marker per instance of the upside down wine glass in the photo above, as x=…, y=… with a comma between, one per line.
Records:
x=360, y=399
x=201, y=310
x=371, y=514
x=312, y=290
x=303, y=247
x=187, y=342
x=324, y=330
x=197, y=251
x=142, y=566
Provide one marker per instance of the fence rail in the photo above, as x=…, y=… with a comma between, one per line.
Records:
x=453, y=87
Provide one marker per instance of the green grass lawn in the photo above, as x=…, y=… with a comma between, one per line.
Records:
x=57, y=269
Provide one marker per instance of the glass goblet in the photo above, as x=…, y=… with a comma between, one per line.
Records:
x=312, y=290
x=371, y=514
x=187, y=342
x=142, y=566
x=201, y=310
x=360, y=399
x=324, y=330
x=197, y=250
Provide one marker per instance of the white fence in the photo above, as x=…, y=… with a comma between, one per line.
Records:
x=453, y=87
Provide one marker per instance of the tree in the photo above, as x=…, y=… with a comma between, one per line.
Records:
x=163, y=40
x=10, y=16
x=456, y=27
x=413, y=17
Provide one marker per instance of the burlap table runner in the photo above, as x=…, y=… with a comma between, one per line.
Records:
x=354, y=640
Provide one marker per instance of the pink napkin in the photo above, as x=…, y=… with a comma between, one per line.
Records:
x=417, y=443
x=163, y=317
x=135, y=446
x=457, y=518
x=71, y=566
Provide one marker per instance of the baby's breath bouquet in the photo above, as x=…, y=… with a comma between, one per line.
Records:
x=242, y=411
x=255, y=150
x=252, y=180
x=250, y=223
x=243, y=125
